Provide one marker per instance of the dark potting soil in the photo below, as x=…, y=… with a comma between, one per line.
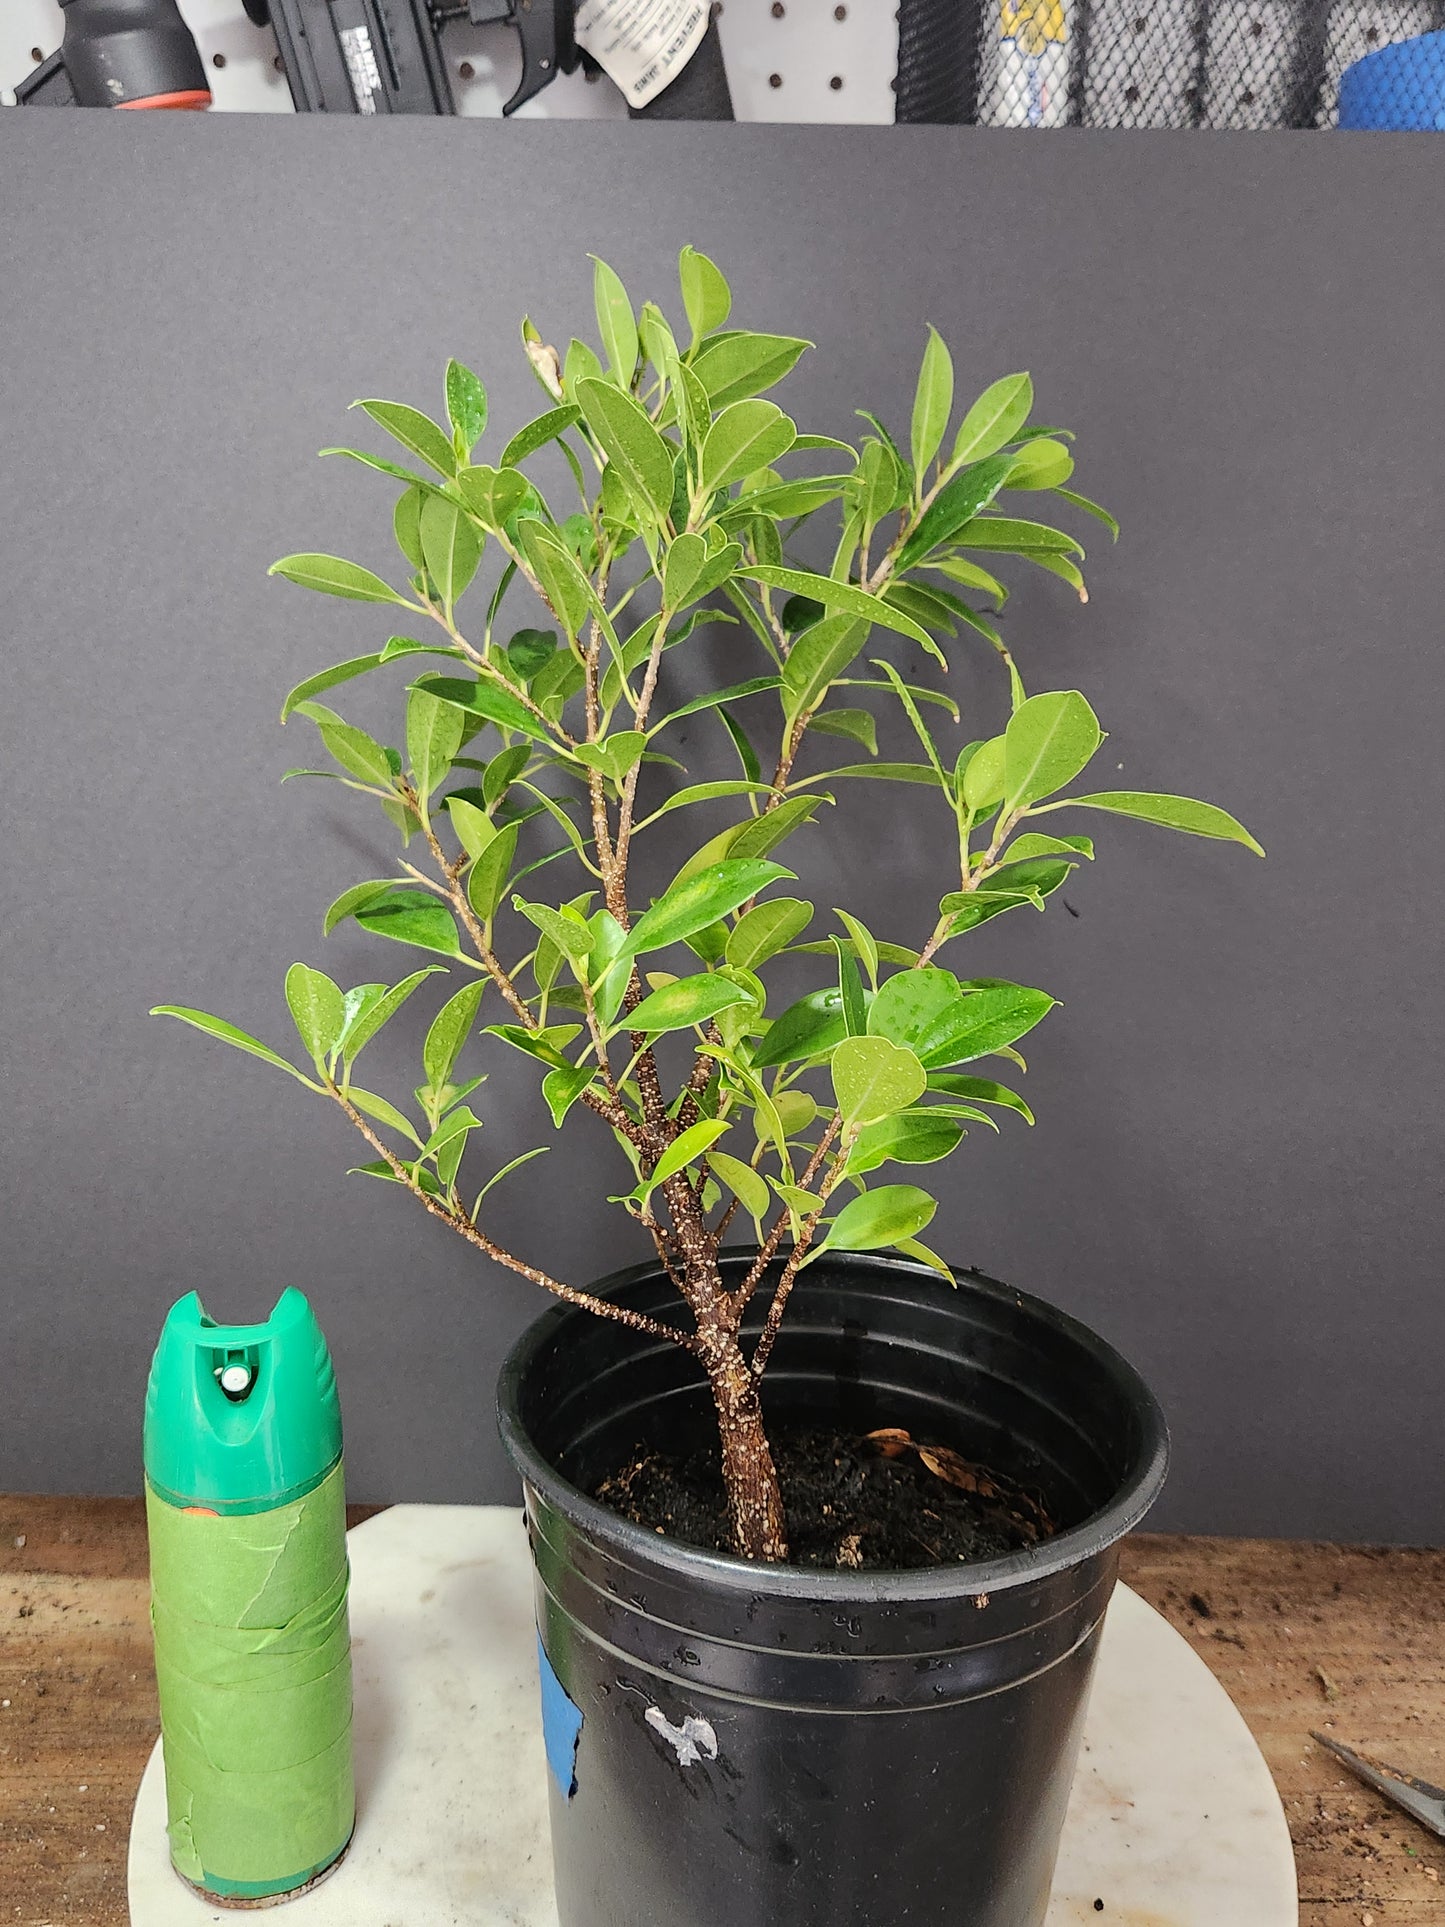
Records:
x=885, y=1501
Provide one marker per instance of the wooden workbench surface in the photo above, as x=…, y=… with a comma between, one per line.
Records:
x=1348, y=1639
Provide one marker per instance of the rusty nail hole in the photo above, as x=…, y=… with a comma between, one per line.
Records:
x=467, y=71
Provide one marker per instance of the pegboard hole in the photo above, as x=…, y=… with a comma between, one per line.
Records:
x=836, y=83
x=218, y=60
x=775, y=80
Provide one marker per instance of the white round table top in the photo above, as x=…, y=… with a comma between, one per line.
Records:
x=1174, y=1817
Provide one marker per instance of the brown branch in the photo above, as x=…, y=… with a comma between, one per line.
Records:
x=774, y=1238
x=466, y=1228
x=763, y=1349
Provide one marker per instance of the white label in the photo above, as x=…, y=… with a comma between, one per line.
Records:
x=641, y=44
x=361, y=68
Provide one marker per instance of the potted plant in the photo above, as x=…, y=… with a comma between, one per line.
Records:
x=881, y=1727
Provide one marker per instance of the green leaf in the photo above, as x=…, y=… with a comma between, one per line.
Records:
x=412, y=916
x=914, y=1248
x=487, y=880
x=362, y=1029
x=733, y=366
x=746, y=436
x=327, y=679
x=1171, y=812
x=747, y=1185
x=995, y=418
x=1041, y=464
x=352, y=748
x=715, y=697
x=984, y=775
x=562, y=1087
x=546, y=1044
x=766, y=929
x=450, y=1029
x=414, y=431
x=1091, y=508
x=484, y=698
x=351, y=900
x=615, y=322
x=809, y=1028
x=381, y=465
x=317, y=1007
x=1010, y=537
x=474, y=828
x=850, y=988
x=229, y=1034
x=912, y=1137
x=503, y=771
x=981, y=1089
x=693, y=901
x=530, y=649
x=568, y=931
x=923, y=773
x=954, y=507
x=635, y=449
x=1036, y=844
x=864, y=943
x=332, y=575
x=546, y=428
x=945, y=1022
x=970, y=576
x=842, y=596
x=820, y=654
x=383, y=1112
x=466, y=408
x=882, y=1217
x=406, y=521
x=689, y=1001
x=706, y=295
x=566, y=588
x=433, y=737
x=1049, y=739
x=873, y=1078
x=450, y=545
x=856, y=724
x=686, y=1148
x=506, y=1171
x=692, y=571
x=494, y=495
x=932, y=402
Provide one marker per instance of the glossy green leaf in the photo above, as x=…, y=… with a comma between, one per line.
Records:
x=318, y=1009
x=879, y=1218
x=1171, y=812
x=696, y=900
x=954, y=507
x=809, y=1028
x=230, y=1034
x=416, y=432
x=932, y=401
x=746, y=436
x=733, y=366
x=984, y=775
x=327, y=679
x=1010, y=537
x=766, y=929
x=946, y=1023
x=1049, y=739
x=687, y=1147
x=565, y=929
x=466, y=408
x=414, y=917
x=1091, y=508
x=873, y=1078
x=994, y=419
x=563, y=583
x=382, y=1111
x=449, y=1030
x=493, y=495
x=641, y=456
x=352, y=748
x=615, y=321
x=485, y=698
x=688, y=1001
x=332, y=575
x=1041, y=464
x=850, y=988
x=842, y=596
x=747, y=1185
x=545, y=1044
x=1036, y=844
x=474, y=828
x=433, y=737
x=505, y=1172
x=982, y=1090
x=856, y=724
x=546, y=428
x=562, y=1088
x=912, y=1137
x=488, y=876
x=362, y=1029
x=450, y=545
x=351, y=900
x=706, y=296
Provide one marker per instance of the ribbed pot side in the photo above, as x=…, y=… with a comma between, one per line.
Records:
x=766, y=1746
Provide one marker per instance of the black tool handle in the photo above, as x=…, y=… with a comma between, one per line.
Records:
x=700, y=91
x=131, y=53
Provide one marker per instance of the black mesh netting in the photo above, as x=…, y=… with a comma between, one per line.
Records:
x=1142, y=63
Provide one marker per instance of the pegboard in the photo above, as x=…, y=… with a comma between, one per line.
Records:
x=787, y=60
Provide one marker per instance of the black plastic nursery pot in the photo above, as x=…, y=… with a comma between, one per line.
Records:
x=741, y=1745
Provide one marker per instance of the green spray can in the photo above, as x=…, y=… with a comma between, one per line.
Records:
x=246, y=1511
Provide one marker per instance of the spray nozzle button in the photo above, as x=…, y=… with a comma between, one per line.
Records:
x=236, y=1374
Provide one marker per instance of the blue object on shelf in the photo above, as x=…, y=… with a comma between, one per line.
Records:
x=1401, y=87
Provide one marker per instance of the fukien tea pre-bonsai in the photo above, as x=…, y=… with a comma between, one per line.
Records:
x=537, y=755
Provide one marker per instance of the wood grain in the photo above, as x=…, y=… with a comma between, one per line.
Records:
x=1348, y=1639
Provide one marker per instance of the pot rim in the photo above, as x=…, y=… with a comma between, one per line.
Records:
x=728, y=1572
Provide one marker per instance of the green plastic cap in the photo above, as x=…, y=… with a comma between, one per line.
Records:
x=240, y=1418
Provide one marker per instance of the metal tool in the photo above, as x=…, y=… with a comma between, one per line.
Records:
x=1423, y=1802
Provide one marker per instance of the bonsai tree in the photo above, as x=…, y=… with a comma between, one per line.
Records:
x=535, y=757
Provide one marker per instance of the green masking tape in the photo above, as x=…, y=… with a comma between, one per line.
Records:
x=253, y=1668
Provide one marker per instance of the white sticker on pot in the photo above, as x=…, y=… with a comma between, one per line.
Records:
x=691, y=1741
x=641, y=44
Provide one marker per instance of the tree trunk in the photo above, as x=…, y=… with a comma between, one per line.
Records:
x=755, y=1503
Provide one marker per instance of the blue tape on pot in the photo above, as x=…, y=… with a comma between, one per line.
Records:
x=1401, y=87
x=561, y=1725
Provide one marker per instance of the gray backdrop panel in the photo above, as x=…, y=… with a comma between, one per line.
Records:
x=1235, y=1170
